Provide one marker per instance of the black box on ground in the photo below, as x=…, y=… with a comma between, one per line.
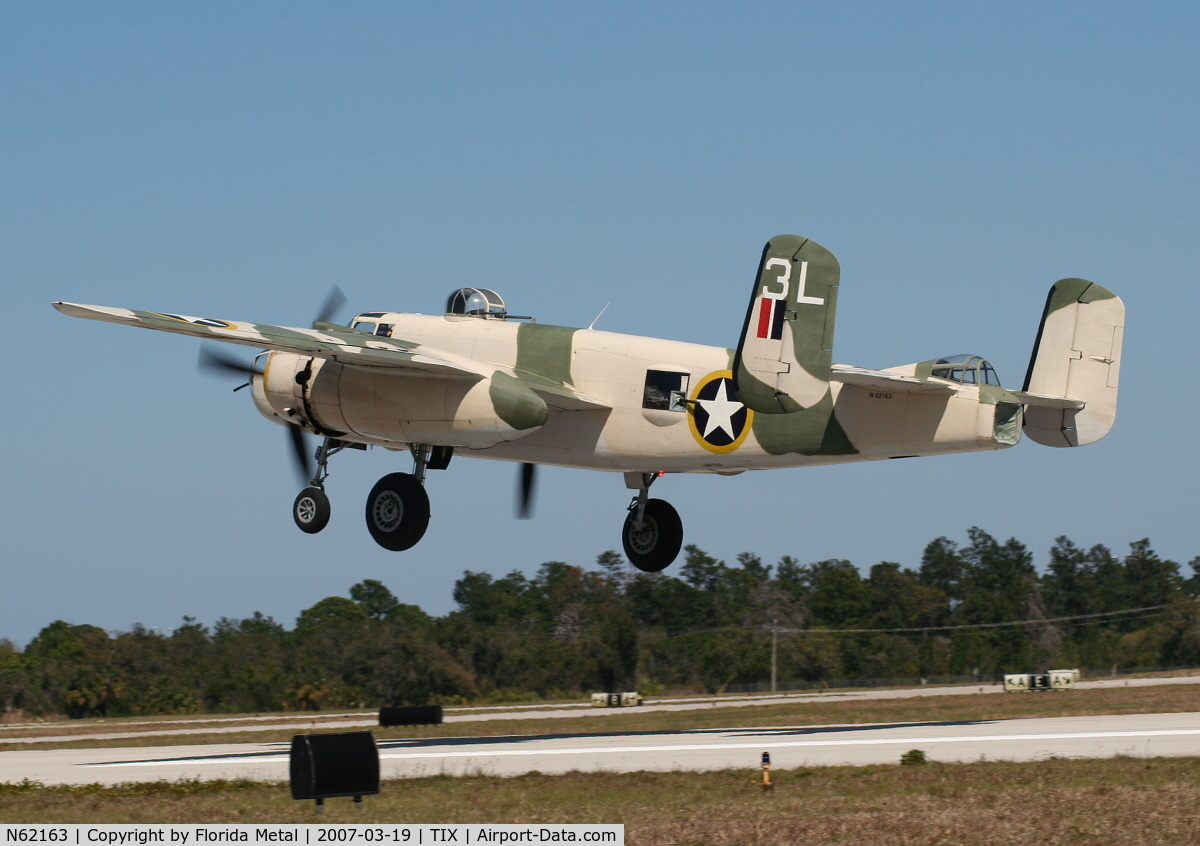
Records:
x=324, y=766
x=411, y=715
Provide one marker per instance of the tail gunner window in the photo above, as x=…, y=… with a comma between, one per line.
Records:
x=968, y=369
x=665, y=390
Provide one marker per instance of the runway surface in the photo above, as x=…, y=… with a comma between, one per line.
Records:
x=1140, y=735
x=343, y=721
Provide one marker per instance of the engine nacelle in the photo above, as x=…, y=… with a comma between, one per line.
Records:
x=277, y=394
x=379, y=405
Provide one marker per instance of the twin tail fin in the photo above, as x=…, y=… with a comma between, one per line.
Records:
x=785, y=354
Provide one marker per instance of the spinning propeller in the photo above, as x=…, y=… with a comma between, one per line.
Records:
x=525, y=484
x=216, y=362
x=332, y=305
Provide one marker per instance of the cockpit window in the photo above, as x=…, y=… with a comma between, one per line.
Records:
x=477, y=302
x=966, y=369
x=364, y=326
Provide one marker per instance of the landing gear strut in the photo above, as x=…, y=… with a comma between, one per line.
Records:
x=310, y=509
x=653, y=532
x=398, y=507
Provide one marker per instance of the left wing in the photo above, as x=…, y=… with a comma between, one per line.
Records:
x=346, y=346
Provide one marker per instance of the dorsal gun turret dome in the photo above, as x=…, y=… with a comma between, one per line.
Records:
x=477, y=302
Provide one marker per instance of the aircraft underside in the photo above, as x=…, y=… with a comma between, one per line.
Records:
x=642, y=445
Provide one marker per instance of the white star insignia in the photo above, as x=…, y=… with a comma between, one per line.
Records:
x=720, y=410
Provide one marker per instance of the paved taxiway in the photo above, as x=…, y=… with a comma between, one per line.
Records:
x=1141, y=735
x=343, y=721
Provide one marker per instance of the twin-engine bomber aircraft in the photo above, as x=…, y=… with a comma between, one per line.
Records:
x=478, y=381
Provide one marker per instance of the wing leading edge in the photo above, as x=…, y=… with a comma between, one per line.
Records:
x=346, y=346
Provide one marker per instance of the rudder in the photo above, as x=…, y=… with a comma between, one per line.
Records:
x=1077, y=356
x=785, y=354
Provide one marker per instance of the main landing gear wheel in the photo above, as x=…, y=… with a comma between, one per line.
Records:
x=397, y=511
x=656, y=544
x=311, y=510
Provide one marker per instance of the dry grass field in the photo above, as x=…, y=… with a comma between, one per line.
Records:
x=1116, y=802
x=802, y=712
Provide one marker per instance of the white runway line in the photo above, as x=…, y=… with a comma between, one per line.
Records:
x=689, y=747
x=1025, y=739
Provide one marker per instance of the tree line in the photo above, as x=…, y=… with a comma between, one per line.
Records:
x=568, y=630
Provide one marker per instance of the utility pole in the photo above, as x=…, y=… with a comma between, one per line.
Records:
x=774, y=651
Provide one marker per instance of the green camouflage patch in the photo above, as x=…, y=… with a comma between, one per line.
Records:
x=515, y=403
x=545, y=351
x=812, y=431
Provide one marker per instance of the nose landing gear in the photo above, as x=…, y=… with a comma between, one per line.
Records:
x=310, y=509
x=653, y=533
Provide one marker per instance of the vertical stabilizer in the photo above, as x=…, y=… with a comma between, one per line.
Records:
x=786, y=350
x=1077, y=356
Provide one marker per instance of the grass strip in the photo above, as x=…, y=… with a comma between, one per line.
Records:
x=1115, y=801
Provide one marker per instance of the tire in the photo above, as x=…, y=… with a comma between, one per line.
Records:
x=311, y=510
x=657, y=544
x=397, y=511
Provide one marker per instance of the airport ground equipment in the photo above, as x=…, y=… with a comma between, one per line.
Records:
x=616, y=700
x=410, y=715
x=326, y=766
x=1051, y=680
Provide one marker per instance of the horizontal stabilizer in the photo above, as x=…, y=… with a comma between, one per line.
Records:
x=885, y=381
x=1041, y=401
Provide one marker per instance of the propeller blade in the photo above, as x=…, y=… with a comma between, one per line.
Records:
x=217, y=363
x=525, y=491
x=300, y=456
x=333, y=304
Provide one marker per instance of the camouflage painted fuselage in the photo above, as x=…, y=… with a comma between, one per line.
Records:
x=607, y=425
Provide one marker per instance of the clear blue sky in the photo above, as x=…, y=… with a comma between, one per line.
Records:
x=234, y=160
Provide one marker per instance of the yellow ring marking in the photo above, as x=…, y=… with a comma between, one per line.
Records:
x=741, y=438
